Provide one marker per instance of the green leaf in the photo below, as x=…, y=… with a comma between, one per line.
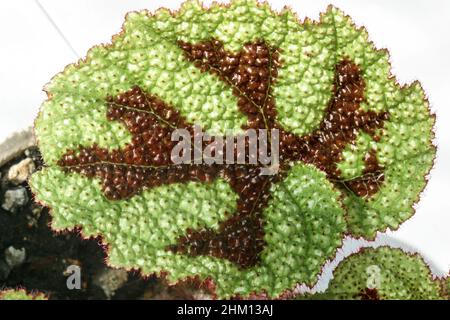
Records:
x=355, y=147
x=20, y=294
x=382, y=274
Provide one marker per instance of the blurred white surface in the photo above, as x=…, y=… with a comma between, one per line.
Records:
x=416, y=33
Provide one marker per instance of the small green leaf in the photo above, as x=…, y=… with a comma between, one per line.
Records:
x=382, y=274
x=21, y=294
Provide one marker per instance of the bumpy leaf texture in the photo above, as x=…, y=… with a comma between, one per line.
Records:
x=383, y=274
x=21, y=294
x=355, y=147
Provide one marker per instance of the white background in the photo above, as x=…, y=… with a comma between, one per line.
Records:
x=417, y=33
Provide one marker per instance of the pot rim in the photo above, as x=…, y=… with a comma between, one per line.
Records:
x=15, y=144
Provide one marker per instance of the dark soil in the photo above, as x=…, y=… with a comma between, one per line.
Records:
x=49, y=254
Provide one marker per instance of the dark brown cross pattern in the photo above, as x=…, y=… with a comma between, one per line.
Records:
x=250, y=73
x=368, y=294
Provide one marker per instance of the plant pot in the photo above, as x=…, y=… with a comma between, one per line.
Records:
x=15, y=144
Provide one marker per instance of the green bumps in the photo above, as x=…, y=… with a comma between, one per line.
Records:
x=446, y=286
x=305, y=224
x=383, y=274
x=406, y=152
x=20, y=294
x=307, y=213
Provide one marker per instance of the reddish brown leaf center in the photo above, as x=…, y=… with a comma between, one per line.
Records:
x=146, y=161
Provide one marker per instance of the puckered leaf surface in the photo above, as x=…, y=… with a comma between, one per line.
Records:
x=383, y=274
x=356, y=145
x=21, y=294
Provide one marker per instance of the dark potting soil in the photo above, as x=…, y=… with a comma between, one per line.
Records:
x=49, y=254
